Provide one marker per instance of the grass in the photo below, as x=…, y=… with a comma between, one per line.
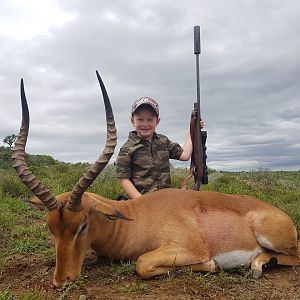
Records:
x=135, y=287
x=5, y=295
x=31, y=295
x=238, y=275
x=126, y=268
x=75, y=285
x=23, y=230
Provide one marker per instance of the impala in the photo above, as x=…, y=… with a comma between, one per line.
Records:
x=163, y=230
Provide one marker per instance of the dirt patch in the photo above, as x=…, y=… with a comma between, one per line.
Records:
x=104, y=281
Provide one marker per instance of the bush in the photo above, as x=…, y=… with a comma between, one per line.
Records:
x=5, y=161
x=11, y=185
x=39, y=160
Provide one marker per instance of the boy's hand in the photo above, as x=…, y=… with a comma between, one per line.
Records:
x=193, y=115
x=201, y=124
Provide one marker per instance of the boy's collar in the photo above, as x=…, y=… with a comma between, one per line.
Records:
x=137, y=139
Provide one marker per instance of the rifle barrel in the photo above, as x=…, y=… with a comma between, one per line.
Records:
x=197, y=47
x=197, y=51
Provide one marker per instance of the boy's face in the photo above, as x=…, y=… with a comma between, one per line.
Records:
x=145, y=122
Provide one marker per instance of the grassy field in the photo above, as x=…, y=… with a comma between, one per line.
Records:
x=23, y=230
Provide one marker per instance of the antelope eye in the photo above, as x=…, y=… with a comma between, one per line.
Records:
x=83, y=228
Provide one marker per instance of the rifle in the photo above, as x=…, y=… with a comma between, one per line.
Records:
x=198, y=167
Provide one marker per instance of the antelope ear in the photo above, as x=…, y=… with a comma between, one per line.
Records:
x=35, y=202
x=110, y=212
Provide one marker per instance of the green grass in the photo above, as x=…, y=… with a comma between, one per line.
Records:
x=31, y=295
x=135, y=286
x=75, y=285
x=126, y=268
x=5, y=295
x=210, y=279
x=23, y=230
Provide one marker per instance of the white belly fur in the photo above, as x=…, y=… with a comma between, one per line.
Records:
x=236, y=258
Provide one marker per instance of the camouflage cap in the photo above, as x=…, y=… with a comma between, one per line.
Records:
x=145, y=100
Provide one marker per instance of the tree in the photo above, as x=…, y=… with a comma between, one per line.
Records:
x=9, y=140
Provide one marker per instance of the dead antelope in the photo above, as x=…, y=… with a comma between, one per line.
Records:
x=167, y=229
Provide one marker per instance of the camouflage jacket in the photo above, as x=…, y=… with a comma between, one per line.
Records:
x=147, y=164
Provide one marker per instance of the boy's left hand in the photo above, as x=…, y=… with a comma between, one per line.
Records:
x=201, y=121
x=201, y=124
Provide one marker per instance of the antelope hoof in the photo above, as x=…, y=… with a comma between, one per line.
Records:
x=90, y=258
x=255, y=273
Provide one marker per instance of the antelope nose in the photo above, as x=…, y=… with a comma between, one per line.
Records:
x=60, y=283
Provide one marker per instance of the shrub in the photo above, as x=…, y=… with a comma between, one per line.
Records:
x=5, y=161
x=39, y=160
x=11, y=185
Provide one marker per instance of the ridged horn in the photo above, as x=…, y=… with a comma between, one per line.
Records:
x=74, y=201
x=18, y=159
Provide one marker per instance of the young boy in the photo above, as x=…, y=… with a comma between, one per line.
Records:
x=143, y=162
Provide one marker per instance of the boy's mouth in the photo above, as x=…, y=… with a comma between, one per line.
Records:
x=145, y=131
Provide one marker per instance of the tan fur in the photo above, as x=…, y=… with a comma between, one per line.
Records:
x=172, y=228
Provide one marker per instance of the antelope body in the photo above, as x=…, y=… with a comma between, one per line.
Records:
x=165, y=229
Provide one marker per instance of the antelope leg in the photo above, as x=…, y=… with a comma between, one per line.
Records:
x=166, y=258
x=265, y=257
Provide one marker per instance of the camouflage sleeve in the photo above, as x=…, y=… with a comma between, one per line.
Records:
x=123, y=164
x=175, y=150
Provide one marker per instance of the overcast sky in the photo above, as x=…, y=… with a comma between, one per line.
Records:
x=249, y=68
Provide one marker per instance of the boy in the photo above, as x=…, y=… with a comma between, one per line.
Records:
x=143, y=162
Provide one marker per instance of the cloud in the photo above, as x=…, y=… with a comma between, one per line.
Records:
x=249, y=68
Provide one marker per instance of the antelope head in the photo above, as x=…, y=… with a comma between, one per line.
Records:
x=69, y=214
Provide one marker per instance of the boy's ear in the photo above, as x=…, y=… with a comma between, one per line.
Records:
x=131, y=120
x=157, y=120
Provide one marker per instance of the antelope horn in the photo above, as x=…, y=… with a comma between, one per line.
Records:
x=18, y=159
x=74, y=201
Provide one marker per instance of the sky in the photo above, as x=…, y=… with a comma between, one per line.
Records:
x=249, y=75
